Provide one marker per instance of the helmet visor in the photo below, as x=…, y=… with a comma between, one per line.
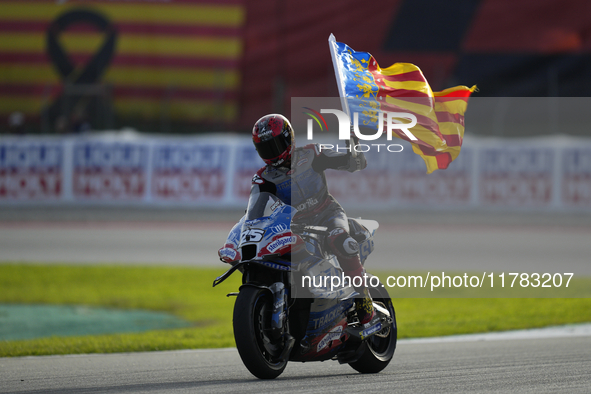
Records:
x=272, y=148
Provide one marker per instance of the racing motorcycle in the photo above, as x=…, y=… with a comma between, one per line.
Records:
x=279, y=319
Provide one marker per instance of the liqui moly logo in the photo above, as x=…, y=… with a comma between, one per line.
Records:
x=391, y=120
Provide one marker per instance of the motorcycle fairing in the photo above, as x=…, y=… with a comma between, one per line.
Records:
x=363, y=230
x=328, y=312
x=326, y=332
x=269, y=235
x=230, y=253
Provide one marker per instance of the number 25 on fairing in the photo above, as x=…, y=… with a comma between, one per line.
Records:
x=252, y=235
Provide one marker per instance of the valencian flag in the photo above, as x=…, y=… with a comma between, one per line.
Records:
x=402, y=87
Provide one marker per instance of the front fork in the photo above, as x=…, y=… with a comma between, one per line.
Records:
x=278, y=318
x=279, y=309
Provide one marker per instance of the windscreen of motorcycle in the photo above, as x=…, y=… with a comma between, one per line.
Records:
x=266, y=229
x=262, y=205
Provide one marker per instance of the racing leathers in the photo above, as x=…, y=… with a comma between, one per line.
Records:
x=303, y=186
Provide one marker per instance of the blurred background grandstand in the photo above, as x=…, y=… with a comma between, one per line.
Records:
x=189, y=66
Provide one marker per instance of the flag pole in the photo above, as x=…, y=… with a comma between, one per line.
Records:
x=340, y=83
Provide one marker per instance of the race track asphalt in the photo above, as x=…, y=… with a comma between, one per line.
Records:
x=406, y=240
x=443, y=241
x=546, y=365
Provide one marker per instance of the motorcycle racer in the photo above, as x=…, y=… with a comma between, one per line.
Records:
x=296, y=176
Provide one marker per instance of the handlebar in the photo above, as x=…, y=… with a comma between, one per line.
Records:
x=301, y=228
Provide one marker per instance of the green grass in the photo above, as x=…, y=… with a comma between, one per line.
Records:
x=187, y=293
x=184, y=292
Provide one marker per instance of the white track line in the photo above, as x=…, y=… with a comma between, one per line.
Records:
x=567, y=331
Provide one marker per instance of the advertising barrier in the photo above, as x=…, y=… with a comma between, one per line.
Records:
x=248, y=163
x=189, y=172
x=109, y=171
x=516, y=174
x=447, y=188
x=31, y=170
x=575, y=185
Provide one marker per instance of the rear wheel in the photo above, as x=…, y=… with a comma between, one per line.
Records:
x=379, y=349
x=252, y=327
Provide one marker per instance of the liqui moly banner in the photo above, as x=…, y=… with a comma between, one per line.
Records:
x=31, y=170
x=516, y=176
x=372, y=185
x=189, y=172
x=575, y=187
x=248, y=163
x=452, y=187
x=109, y=171
x=532, y=174
x=399, y=179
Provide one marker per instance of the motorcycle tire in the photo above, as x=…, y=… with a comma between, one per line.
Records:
x=378, y=350
x=251, y=322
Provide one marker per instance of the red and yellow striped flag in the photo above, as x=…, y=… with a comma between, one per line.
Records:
x=402, y=87
x=174, y=58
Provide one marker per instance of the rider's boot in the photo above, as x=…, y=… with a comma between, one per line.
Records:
x=363, y=302
x=364, y=306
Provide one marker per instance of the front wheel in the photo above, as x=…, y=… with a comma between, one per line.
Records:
x=379, y=349
x=252, y=324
